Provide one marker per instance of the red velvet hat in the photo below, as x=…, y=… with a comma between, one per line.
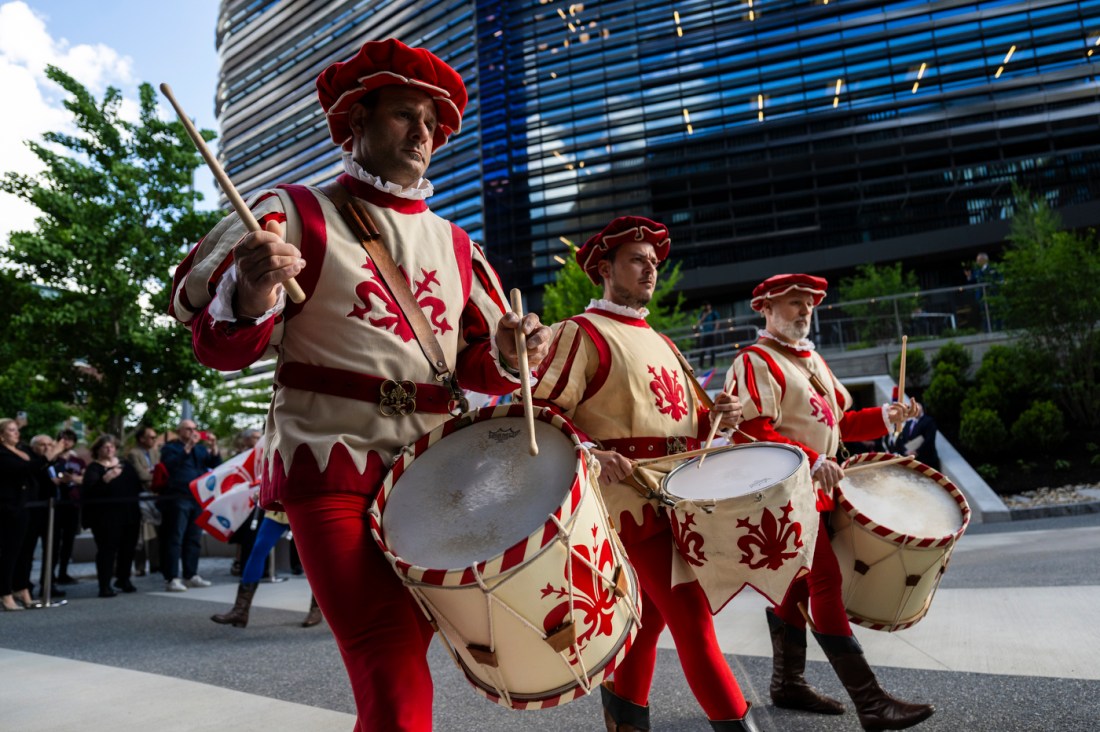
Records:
x=779, y=285
x=382, y=63
x=622, y=230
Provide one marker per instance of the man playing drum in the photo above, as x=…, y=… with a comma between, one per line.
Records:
x=626, y=388
x=789, y=395
x=353, y=384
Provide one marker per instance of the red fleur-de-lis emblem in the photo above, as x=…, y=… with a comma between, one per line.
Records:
x=670, y=393
x=820, y=410
x=390, y=316
x=771, y=542
x=593, y=607
x=688, y=541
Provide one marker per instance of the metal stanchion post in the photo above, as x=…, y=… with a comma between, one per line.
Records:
x=272, y=577
x=47, y=564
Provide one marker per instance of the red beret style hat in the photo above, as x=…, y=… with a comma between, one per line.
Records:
x=779, y=285
x=384, y=63
x=623, y=230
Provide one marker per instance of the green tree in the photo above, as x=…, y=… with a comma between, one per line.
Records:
x=1050, y=292
x=877, y=319
x=116, y=211
x=571, y=291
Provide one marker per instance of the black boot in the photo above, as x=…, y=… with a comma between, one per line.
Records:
x=745, y=724
x=238, y=616
x=877, y=709
x=619, y=714
x=789, y=689
x=314, y=615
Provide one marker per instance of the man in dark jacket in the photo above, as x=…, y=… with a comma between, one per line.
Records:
x=185, y=458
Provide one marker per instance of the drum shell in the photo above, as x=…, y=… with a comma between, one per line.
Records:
x=889, y=577
x=763, y=539
x=508, y=602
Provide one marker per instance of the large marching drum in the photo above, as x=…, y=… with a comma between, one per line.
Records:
x=894, y=527
x=511, y=556
x=746, y=516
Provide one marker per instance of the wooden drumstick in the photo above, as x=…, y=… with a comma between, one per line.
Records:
x=875, y=463
x=901, y=382
x=681, y=455
x=714, y=428
x=806, y=615
x=293, y=289
x=524, y=369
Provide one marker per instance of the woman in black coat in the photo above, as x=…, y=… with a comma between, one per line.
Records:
x=110, y=509
x=18, y=465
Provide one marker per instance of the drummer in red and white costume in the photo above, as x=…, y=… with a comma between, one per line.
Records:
x=623, y=385
x=789, y=395
x=389, y=107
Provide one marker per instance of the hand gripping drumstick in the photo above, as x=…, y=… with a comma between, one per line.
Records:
x=293, y=289
x=524, y=370
x=901, y=382
x=713, y=429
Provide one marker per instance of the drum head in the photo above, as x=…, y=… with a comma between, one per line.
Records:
x=476, y=492
x=903, y=500
x=737, y=471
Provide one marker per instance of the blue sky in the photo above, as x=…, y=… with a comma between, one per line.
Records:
x=119, y=43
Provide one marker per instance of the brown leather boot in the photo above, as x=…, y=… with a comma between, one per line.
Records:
x=789, y=689
x=238, y=616
x=877, y=709
x=314, y=615
x=745, y=724
x=621, y=715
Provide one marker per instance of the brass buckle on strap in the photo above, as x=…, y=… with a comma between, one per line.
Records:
x=397, y=398
x=458, y=403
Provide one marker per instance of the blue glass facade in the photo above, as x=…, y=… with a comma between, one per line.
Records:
x=770, y=136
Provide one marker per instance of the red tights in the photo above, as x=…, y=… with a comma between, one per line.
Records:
x=382, y=634
x=685, y=610
x=822, y=588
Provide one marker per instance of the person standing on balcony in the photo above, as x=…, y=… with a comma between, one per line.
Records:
x=790, y=395
x=336, y=418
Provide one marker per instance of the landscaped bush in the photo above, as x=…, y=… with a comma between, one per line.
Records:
x=944, y=397
x=983, y=432
x=952, y=354
x=916, y=369
x=1040, y=426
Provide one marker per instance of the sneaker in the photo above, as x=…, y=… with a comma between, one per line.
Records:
x=175, y=585
x=198, y=581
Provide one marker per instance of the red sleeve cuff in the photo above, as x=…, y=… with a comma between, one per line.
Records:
x=229, y=346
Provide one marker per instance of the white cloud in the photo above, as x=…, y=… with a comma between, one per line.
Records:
x=34, y=102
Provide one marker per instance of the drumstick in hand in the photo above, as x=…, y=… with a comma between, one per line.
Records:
x=714, y=428
x=901, y=382
x=293, y=289
x=524, y=369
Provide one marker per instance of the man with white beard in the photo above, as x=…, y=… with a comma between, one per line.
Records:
x=789, y=395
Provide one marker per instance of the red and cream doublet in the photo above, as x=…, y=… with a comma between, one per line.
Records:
x=780, y=405
x=622, y=385
x=325, y=430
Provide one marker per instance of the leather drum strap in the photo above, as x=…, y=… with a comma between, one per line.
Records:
x=358, y=218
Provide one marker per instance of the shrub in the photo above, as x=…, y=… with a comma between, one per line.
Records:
x=983, y=432
x=952, y=354
x=987, y=471
x=1041, y=425
x=944, y=397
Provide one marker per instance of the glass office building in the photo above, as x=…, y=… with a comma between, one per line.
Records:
x=814, y=135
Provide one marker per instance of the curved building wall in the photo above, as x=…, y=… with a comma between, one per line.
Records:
x=768, y=135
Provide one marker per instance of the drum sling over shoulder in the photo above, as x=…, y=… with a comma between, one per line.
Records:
x=359, y=220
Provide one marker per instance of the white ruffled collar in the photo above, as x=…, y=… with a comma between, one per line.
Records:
x=416, y=192
x=611, y=307
x=803, y=345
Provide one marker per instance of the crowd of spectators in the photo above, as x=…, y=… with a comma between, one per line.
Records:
x=136, y=502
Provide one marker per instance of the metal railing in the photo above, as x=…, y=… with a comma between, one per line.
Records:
x=922, y=315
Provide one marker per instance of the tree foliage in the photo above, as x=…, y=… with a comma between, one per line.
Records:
x=1050, y=292
x=116, y=211
x=876, y=318
x=571, y=291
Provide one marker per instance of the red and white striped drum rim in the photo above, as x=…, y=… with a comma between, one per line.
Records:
x=886, y=532
x=516, y=555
